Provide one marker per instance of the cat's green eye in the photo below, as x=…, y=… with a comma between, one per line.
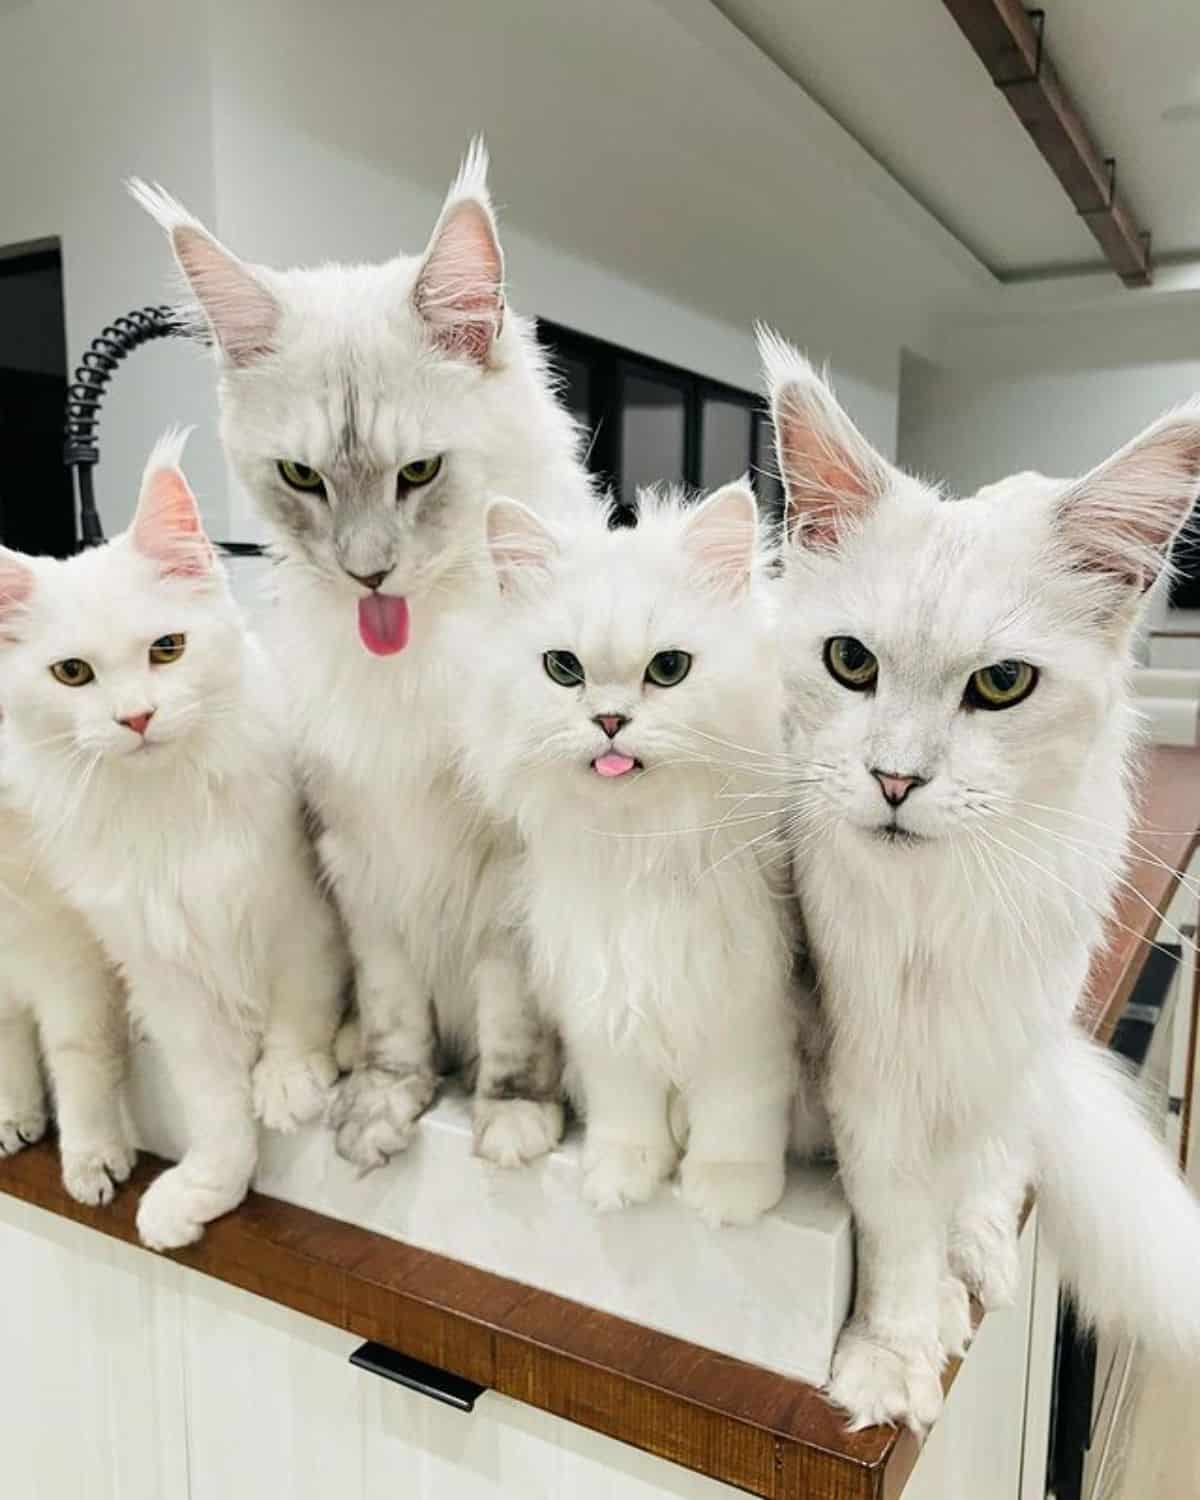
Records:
x=1002, y=685
x=563, y=667
x=72, y=672
x=420, y=472
x=668, y=668
x=850, y=663
x=301, y=477
x=167, y=648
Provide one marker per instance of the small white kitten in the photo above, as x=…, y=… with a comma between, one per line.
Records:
x=961, y=732
x=60, y=997
x=625, y=713
x=147, y=744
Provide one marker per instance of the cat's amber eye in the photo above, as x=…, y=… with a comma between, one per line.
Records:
x=72, y=672
x=668, y=668
x=1002, y=685
x=420, y=472
x=167, y=648
x=850, y=663
x=563, y=667
x=301, y=477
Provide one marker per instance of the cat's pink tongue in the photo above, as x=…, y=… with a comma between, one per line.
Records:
x=613, y=764
x=383, y=623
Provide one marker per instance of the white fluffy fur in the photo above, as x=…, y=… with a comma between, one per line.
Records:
x=58, y=997
x=654, y=904
x=185, y=847
x=951, y=967
x=360, y=371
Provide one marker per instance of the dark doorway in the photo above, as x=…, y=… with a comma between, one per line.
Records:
x=37, y=507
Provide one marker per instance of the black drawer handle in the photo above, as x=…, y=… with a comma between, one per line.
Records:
x=451, y=1390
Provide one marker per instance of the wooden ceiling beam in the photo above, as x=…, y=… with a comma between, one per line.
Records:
x=1008, y=41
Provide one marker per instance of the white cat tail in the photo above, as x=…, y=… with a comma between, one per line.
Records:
x=459, y=290
x=166, y=526
x=1123, y=1223
x=1120, y=519
x=831, y=474
x=235, y=301
x=522, y=546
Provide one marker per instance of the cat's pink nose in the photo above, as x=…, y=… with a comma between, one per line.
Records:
x=895, y=788
x=612, y=724
x=138, y=722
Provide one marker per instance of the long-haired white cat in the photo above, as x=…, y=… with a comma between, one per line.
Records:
x=961, y=736
x=147, y=742
x=370, y=410
x=625, y=713
x=61, y=1004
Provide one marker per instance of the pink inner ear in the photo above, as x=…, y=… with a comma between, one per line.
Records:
x=459, y=291
x=16, y=585
x=243, y=313
x=167, y=526
x=825, y=482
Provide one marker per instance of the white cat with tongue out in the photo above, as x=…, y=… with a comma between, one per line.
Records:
x=371, y=410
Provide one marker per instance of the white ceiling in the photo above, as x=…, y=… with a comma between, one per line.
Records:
x=901, y=77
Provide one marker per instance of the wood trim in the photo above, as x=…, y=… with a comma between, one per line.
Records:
x=1011, y=48
x=774, y=1437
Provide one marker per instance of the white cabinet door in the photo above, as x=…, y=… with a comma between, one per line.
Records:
x=91, y=1379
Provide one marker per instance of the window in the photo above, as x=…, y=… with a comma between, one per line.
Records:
x=649, y=422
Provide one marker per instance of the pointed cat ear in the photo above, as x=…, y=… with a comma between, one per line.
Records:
x=831, y=475
x=167, y=527
x=16, y=589
x=459, y=291
x=521, y=546
x=721, y=537
x=1121, y=519
x=241, y=309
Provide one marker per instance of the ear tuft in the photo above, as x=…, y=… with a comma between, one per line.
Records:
x=721, y=537
x=522, y=547
x=167, y=527
x=831, y=475
x=1122, y=518
x=240, y=308
x=459, y=291
x=16, y=589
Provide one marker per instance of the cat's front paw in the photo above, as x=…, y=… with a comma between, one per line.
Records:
x=883, y=1382
x=985, y=1256
x=21, y=1128
x=291, y=1090
x=724, y=1192
x=93, y=1176
x=954, y=1317
x=616, y=1174
x=511, y=1132
x=175, y=1208
x=374, y=1113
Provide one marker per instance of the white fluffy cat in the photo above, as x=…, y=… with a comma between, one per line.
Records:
x=61, y=1002
x=961, y=732
x=147, y=743
x=624, y=711
x=370, y=410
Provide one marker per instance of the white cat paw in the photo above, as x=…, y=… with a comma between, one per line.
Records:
x=94, y=1176
x=20, y=1129
x=730, y=1192
x=374, y=1112
x=174, y=1209
x=882, y=1384
x=291, y=1090
x=984, y=1254
x=954, y=1317
x=616, y=1174
x=511, y=1132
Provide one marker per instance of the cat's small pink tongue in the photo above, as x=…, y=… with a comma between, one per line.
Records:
x=613, y=764
x=383, y=623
